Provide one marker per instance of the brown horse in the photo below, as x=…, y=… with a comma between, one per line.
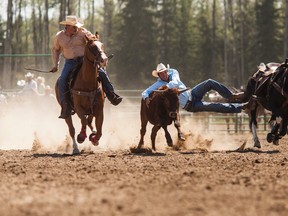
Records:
x=87, y=95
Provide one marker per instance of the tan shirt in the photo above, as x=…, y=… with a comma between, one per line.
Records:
x=70, y=46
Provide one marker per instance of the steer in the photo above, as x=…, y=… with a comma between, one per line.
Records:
x=162, y=111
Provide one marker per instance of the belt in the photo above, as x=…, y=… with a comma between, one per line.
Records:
x=78, y=58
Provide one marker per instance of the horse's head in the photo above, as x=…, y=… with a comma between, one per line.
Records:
x=94, y=51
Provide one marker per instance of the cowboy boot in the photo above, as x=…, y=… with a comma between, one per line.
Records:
x=236, y=97
x=114, y=98
x=108, y=88
x=65, y=110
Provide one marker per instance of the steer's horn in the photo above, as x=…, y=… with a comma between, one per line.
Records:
x=183, y=90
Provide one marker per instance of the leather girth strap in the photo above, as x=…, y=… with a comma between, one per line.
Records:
x=91, y=95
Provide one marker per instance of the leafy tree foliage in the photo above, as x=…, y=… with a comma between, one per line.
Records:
x=224, y=40
x=134, y=43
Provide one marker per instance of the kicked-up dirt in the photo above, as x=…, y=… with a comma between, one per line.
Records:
x=206, y=176
x=188, y=182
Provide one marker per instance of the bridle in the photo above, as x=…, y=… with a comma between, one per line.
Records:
x=97, y=55
x=92, y=49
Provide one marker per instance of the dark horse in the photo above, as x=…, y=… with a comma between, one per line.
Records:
x=87, y=95
x=268, y=89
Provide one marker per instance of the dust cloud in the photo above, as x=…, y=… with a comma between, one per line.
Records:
x=24, y=121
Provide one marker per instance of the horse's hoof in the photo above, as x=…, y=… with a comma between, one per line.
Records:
x=140, y=150
x=94, y=139
x=270, y=137
x=170, y=144
x=75, y=151
x=257, y=144
x=276, y=142
x=81, y=138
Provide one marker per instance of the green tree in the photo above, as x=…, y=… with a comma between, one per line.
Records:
x=134, y=43
x=268, y=36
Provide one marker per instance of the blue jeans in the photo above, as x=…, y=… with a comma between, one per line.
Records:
x=68, y=68
x=198, y=92
x=106, y=84
x=63, y=79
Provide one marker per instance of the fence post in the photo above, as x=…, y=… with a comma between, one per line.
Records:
x=236, y=123
x=264, y=116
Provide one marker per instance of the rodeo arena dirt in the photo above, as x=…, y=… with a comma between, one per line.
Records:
x=205, y=175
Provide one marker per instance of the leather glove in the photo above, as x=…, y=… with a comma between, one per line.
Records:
x=147, y=101
x=54, y=69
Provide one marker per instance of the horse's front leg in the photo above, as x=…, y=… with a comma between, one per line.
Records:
x=283, y=131
x=89, y=122
x=95, y=136
x=82, y=135
x=253, y=127
x=72, y=134
x=276, y=123
x=70, y=126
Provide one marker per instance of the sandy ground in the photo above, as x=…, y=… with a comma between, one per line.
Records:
x=202, y=178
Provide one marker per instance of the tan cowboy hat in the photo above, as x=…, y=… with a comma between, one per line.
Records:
x=29, y=75
x=72, y=20
x=160, y=68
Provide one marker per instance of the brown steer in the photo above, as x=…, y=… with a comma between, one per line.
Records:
x=162, y=111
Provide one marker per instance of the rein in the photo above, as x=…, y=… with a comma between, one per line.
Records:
x=94, y=63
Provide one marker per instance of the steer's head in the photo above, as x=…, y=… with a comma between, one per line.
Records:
x=170, y=101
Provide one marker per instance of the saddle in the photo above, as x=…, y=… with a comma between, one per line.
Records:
x=261, y=78
x=264, y=74
x=268, y=78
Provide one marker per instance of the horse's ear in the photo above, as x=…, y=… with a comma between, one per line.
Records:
x=97, y=35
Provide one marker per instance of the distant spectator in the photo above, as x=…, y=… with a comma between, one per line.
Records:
x=3, y=99
x=48, y=92
x=40, y=85
x=30, y=87
x=30, y=83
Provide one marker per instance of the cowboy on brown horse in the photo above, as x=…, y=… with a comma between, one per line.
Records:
x=71, y=43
